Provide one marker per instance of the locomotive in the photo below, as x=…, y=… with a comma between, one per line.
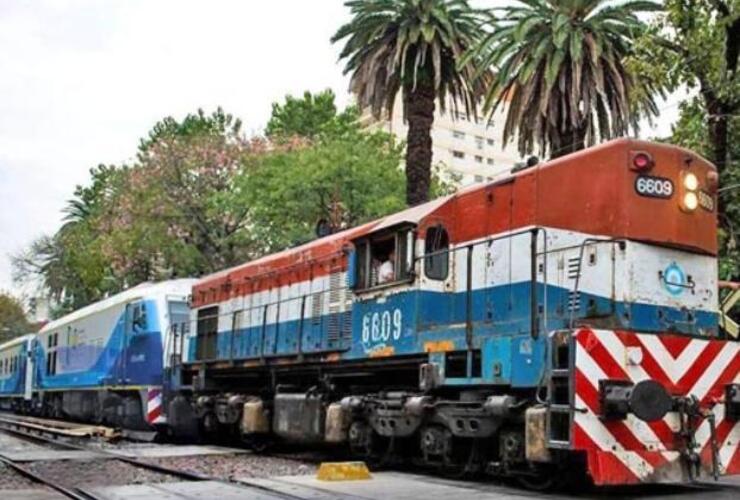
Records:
x=564, y=315
x=103, y=363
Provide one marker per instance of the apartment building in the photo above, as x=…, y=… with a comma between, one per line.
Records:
x=469, y=150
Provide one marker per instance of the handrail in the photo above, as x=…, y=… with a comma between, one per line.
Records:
x=535, y=253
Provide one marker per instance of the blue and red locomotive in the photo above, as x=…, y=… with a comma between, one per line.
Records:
x=566, y=312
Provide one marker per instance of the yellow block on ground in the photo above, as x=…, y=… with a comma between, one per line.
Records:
x=343, y=471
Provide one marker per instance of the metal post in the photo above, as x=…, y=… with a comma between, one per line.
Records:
x=534, y=313
x=469, y=299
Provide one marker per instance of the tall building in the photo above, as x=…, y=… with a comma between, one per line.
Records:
x=469, y=150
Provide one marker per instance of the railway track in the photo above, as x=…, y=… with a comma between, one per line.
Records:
x=33, y=431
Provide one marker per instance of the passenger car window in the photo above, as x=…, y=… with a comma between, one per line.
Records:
x=436, y=251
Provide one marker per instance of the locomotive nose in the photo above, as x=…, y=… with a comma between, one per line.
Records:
x=647, y=400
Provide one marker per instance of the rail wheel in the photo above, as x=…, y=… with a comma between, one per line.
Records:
x=362, y=440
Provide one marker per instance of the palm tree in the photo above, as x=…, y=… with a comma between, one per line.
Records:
x=413, y=46
x=561, y=72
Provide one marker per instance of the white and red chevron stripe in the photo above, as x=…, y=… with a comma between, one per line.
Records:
x=633, y=451
x=154, y=412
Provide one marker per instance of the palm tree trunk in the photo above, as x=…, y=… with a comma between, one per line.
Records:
x=420, y=115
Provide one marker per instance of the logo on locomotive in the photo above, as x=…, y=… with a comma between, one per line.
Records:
x=674, y=279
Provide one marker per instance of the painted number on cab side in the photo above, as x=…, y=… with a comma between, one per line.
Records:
x=381, y=326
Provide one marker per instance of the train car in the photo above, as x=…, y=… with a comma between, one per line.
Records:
x=562, y=316
x=107, y=362
x=16, y=373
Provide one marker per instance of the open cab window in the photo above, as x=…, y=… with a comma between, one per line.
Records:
x=384, y=259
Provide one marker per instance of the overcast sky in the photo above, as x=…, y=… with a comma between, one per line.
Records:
x=82, y=80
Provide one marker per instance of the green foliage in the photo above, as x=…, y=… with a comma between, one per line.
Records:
x=218, y=123
x=13, y=321
x=696, y=43
x=413, y=46
x=345, y=178
x=560, y=70
x=308, y=116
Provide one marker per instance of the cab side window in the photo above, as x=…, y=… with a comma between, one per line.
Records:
x=384, y=259
x=436, y=253
x=139, y=318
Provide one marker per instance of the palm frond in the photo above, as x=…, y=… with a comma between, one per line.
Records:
x=561, y=73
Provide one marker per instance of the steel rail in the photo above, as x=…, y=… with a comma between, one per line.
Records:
x=74, y=494
x=191, y=476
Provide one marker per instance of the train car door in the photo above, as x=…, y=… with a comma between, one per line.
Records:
x=135, y=321
x=179, y=327
x=28, y=380
x=207, y=333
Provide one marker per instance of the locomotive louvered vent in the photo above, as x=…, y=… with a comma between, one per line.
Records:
x=336, y=290
x=574, y=267
x=574, y=301
x=316, y=307
x=339, y=328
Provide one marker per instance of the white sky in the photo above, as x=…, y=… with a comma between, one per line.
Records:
x=82, y=80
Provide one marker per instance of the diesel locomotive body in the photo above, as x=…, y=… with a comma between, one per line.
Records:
x=566, y=313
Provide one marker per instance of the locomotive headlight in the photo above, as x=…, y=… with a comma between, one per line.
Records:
x=690, y=181
x=690, y=201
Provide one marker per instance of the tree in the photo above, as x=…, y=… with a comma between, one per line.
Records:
x=345, y=176
x=169, y=217
x=305, y=117
x=414, y=47
x=698, y=44
x=560, y=71
x=13, y=322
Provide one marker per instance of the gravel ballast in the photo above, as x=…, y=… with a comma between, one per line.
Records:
x=13, y=480
x=101, y=472
x=237, y=466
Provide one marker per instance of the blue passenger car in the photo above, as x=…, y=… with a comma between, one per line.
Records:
x=16, y=373
x=105, y=362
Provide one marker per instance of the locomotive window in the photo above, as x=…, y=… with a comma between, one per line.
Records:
x=139, y=319
x=436, y=249
x=384, y=260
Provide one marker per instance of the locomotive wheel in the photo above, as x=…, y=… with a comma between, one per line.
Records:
x=453, y=457
x=362, y=440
